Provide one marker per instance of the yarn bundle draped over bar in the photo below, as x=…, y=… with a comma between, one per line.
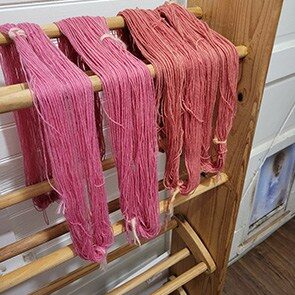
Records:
x=186, y=111
x=64, y=100
x=130, y=108
x=196, y=75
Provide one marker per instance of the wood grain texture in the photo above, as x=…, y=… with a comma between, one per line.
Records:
x=182, y=279
x=194, y=243
x=213, y=215
x=268, y=269
x=180, y=290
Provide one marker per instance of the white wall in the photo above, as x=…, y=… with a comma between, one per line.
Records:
x=22, y=220
x=278, y=100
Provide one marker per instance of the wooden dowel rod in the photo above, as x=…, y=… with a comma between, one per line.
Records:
x=42, y=236
x=57, y=230
x=96, y=82
x=85, y=270
x=180, y=290
x=12, y=101
x=116, y=22
x=49, y=234
x=181, y=280
x=159, y=267
x=37, y=189
x=66, y=253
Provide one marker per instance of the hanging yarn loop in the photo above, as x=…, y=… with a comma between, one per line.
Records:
x=111, y=36
x=131, y=111
x=67, y=127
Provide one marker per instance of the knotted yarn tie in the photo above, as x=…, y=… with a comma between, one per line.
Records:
x=100, y=256
x=61, y=208
x=216, y=141
x=103, y=263
x=111, y=36
x=14, y=32
x=170, y=204
x=135, y=237
x=217, y=178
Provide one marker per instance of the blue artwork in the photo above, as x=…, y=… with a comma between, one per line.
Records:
x=274, y=184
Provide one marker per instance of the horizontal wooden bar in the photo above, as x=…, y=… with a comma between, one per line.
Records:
x=114, y=23
x=187, y=276
x=57, y=230
x=64, y=254
x=85, y=270
x=11, y=99
x=48, y=234
x=38, y=189
x=42, y=236
x=159, y=267
x=180, y=290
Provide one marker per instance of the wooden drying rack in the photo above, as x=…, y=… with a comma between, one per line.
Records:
x=204, y=226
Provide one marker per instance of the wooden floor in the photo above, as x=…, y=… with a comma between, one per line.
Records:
x=268, y=269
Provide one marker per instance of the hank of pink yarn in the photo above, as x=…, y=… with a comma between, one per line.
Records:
x=131, y=110
x=35, y=158
x=64, y=100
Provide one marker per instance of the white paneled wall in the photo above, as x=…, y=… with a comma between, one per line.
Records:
x=278, y=100
x=22, y=219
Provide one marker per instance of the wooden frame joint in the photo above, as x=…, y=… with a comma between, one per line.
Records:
x=194, y=243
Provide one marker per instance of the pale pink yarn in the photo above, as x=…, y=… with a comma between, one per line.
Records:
x=64, y=100
x=131, y=109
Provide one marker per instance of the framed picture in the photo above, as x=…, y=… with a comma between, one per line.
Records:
x=274, y=184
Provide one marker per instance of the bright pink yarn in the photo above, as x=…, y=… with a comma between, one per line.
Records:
x=64, y=99
x=36, y=168
x=131, y=109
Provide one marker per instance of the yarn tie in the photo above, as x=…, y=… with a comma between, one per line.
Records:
x=14, y=32
x=135, y=237
x=111, y=36
x=216, y=141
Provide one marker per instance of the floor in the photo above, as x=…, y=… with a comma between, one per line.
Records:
x=268, y=269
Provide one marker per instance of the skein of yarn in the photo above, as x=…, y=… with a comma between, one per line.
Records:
x=131, y=111
x=207, y=95
x=180, y=88
x=64, y=99
x=37, y=167
x=221, y=61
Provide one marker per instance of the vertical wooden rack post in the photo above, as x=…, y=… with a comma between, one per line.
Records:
x=252, y=23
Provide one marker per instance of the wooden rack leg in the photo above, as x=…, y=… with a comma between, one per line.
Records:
x=194, y=243
x=252, y=23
